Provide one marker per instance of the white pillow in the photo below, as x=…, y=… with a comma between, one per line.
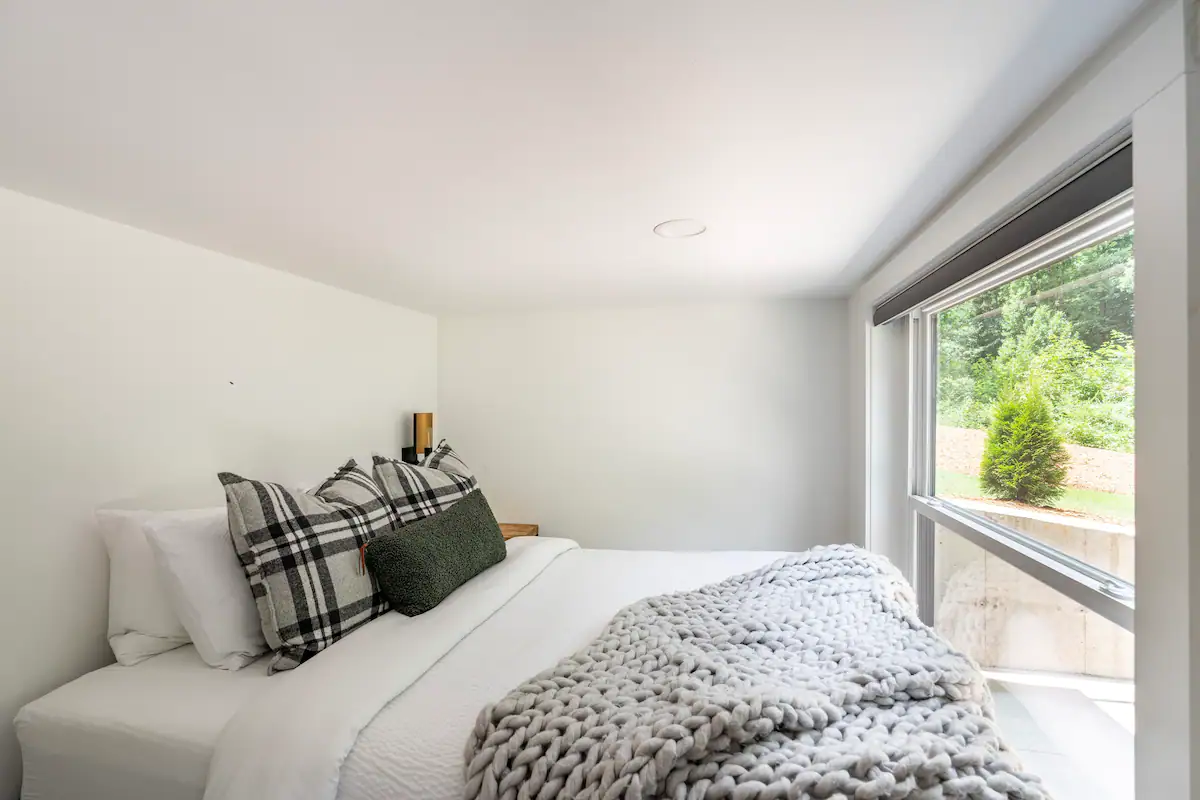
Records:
x=141, y=622
x=207, y=585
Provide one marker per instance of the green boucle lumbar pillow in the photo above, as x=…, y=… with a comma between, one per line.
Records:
x=419, y=565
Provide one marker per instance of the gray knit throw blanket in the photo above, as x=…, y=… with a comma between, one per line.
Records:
x=808, y=678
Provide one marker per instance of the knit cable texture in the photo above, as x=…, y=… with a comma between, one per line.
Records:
x=808, y=678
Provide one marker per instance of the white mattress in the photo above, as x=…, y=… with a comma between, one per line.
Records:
x=145, y=731
x=149, y=731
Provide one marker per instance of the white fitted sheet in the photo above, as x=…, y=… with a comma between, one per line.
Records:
x=145, y=731
x=150, y=730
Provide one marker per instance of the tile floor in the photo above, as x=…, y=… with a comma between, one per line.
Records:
x=1075, y=732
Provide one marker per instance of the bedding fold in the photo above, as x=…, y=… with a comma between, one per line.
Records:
x=290, y=743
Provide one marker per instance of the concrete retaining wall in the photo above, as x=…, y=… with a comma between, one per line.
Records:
x=1005, y=619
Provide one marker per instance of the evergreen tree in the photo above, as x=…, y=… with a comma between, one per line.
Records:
x=1024, y=458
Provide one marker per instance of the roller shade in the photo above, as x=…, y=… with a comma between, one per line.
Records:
x=1104, y=180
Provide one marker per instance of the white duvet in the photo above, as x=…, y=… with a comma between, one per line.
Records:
x=385, y=714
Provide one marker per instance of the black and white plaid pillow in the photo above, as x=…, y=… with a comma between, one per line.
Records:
x=446, y=460
x=301, y=553
x=416, y=492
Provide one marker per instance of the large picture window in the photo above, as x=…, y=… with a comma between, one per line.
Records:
x=1034, y=404
x=1022, y=482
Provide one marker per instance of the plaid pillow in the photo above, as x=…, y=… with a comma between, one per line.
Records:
x=446, y=460
x=417, y=492
x=300, y=551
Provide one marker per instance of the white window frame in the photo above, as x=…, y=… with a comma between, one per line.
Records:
x=1107, y=595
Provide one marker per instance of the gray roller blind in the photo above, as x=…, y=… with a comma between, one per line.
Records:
x=1101, y=182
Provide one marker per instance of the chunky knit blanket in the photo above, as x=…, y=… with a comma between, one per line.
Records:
x=808, y=678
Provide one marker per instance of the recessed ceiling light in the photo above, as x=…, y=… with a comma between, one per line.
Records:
x=680, y=228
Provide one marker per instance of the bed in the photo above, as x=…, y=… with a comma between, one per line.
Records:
x=171, y=727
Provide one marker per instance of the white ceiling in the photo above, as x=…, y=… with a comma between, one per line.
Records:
x=460, y=155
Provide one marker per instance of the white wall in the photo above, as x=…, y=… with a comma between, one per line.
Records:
x=1166, y=173
x=1140, y=80
x=134, y=368
x=890, y=530
x=695, y=427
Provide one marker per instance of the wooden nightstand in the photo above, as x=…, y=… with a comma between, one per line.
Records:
x=512, y=530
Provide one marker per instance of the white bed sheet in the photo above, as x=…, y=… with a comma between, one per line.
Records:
x=149, y=731
x=145, y=731
x=413, y=750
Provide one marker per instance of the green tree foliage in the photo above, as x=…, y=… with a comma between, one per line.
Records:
x=1068, y=328
x=1024, y=458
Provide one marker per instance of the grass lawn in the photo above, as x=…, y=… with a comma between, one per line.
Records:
x=1086, y=501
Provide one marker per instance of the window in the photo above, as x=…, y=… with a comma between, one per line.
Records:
x=1034, y=404
x=1022, y=462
